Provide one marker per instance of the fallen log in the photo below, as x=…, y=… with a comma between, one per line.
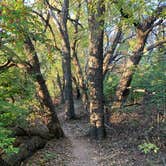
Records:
x=26, y=149
x=38, y=129
x=29, y=139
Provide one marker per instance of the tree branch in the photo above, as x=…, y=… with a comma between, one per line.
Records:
x=50, y=27
x=110, y=52
x=156, y=44
x=74, y=21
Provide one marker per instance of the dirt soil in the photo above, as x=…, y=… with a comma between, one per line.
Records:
x=120, y=148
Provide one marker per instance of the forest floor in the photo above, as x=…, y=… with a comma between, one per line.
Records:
x=127, y=131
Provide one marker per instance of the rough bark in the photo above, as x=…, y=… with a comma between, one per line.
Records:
x=61, y=21
x=37, y=129
x=26, y=149
x=122, y=89
x=75, y=60
x=77, y=88
x=142, y=31
x=42, y=90
x=95, y=66
x=69, y=103
x=81, y=80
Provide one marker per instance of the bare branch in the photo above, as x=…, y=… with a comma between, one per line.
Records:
x=110, y=52
x=53, y=8
x=47, y=24
x=156, y=44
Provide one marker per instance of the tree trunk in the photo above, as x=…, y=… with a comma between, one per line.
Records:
x=61, y=22
x=77, y=88
x=142, y=31
x=95, y=66
x=61, y=88
x=81, y=80
x=69, y=103
x=79, y=73
x=42, y=90
x=26, y=149
x=122, y=91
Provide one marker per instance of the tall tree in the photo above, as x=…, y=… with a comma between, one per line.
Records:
x=80, y=77
x=61, y=21
x=96, y=11
x=143, y=28
x=41, y=87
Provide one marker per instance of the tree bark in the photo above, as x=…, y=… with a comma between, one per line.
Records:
x=61, y=22
x=26, y=149
x=42, y=90
x=75, y=60
x=123, y=91
x=95, y=66
x=142, y=31
x=81, y=80
x=77, y=88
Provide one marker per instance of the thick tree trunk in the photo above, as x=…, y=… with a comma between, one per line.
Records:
x=69, y=103
x=42, y=90
x=95, y=65
x=26, y=149
x=122, y=91
x=142, y=31
x=61, y=21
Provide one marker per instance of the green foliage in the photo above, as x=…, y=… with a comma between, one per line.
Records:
x=6, y=141
x=10, y=115
x=151, y=76
x=15, y=92
x=148, y=147
x=110, y=84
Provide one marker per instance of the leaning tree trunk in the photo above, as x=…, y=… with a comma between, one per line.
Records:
x=26, y=150
x=122, y=91
x=42, y=90
x=142, y=31
x=95, y=66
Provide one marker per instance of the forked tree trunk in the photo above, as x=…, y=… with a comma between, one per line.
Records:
x=95, y=66
x=142, y=31
x=123, y=91
x=42, y=90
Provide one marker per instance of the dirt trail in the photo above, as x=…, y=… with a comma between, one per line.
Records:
x=120, y=148
x=84, y=154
